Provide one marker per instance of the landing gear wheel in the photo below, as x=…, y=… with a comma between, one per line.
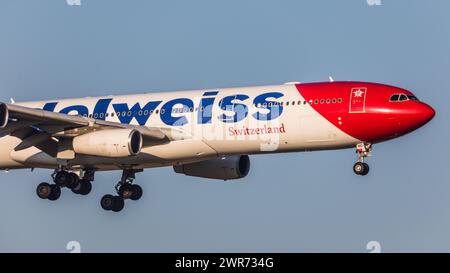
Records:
x=118, y=204
x=63, y=179
x=77, y=188
x=83, y=187
x=361, y=168
x=74, y=181
x=367, y=168
x=136, y=192
x=55, y=193
x=86, y=187
x=114, y=203
x=125, y=191
x=43, y=190
x=107, y=202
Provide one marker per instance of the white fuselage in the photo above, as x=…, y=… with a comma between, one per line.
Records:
x=228, y=128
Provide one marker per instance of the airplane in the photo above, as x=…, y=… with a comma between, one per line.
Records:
x=206, y=133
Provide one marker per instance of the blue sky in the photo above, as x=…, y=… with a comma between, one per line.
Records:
x=296, y=202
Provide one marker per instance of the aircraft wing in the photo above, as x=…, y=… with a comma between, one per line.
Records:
x=15, y=117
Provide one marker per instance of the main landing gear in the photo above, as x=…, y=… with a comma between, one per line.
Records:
x=64, y=179
x=125, y=190
x=363, y=150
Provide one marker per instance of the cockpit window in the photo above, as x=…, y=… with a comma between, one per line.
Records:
x=394, y=97
x=403, y=97
x=413, y=98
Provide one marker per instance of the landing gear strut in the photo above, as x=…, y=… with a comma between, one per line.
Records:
x=83, y=186
x=125, y=190
x=363, y=150
x=65, y=179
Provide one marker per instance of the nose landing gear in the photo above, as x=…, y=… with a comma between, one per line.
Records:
x=125, y=190
x=361, y=168
x=363, y=150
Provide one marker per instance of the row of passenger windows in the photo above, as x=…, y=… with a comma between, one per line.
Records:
x=321, y=101
x=187, y=110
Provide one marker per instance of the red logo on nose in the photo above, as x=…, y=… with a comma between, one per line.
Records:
x=358, y=100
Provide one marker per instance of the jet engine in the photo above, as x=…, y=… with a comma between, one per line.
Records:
x=109, y=143
x=226, y=168
x=4, y=115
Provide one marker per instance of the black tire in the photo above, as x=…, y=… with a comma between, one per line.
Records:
x=137, y=192
x=119, y=204
x=63, y=179
x=107, y=202
x=74, y=181
x=360, y=168
x=86, y=187
x=77, y=188
x=55, y=194
x=44, y=190
x=366, y=169
x=125, y=191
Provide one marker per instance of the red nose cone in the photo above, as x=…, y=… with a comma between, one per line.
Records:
x=409, y=118
x=425, y=114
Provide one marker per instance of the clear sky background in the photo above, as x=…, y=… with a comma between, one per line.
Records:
x=296, y=202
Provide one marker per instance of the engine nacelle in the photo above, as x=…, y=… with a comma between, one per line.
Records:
x=232, y=167
x=109, y=143
x=4, y=115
